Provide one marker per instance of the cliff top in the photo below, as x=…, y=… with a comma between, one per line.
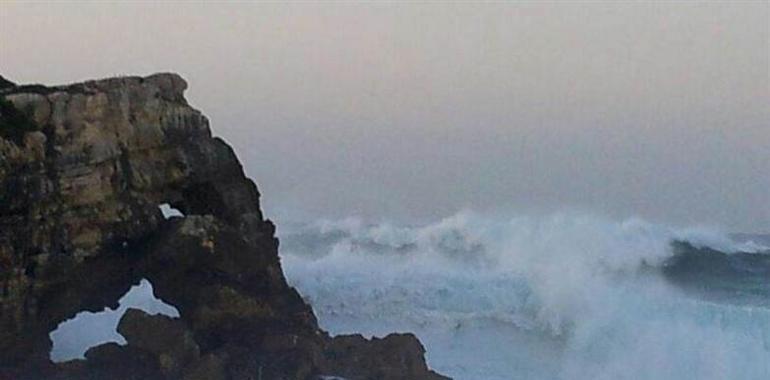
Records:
x=172, y=85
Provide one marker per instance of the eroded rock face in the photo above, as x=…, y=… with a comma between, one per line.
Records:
x=80, y=224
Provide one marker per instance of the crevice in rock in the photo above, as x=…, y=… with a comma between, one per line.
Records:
x=202, y=199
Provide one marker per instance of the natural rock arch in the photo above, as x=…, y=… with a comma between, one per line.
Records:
x=73, y=337
x=80, y=224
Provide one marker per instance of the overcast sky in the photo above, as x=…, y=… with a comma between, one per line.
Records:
x=413, y=112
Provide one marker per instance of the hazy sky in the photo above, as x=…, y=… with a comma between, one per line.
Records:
x=416, y=111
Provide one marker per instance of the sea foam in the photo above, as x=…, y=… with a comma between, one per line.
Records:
x=558, y=297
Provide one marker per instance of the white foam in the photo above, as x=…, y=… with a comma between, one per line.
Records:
x=557, y=297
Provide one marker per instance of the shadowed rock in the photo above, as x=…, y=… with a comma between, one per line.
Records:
x=5, y=83
x=166, y=338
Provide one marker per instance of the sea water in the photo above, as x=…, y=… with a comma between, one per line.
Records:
x=564, y=297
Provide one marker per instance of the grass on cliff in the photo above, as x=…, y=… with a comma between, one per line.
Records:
x=14, y=123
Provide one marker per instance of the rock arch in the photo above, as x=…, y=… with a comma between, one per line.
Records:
x=80, y=224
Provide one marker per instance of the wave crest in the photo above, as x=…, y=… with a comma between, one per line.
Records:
x=559, y=297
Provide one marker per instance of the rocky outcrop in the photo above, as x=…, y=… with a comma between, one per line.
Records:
x=5, y=83
x=80, y=224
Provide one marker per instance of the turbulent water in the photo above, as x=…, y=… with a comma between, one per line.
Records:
x=561, y=297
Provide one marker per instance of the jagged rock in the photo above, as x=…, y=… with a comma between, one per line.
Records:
x=111, y=361
x=5, y=83
x=166, y=338
x=104, y=362
x=79, y=224
x=397, y=356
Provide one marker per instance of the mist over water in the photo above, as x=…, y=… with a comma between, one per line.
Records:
x=566, y=296
x=411, y=110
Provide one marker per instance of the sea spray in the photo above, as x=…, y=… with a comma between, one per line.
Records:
x=560, y=297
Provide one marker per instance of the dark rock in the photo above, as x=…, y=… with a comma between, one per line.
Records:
x=397, y=356
x=166, y=338
x=5, y=83
x=79, y=224
x=111, y=361
x=104, y=362
x=209, y=367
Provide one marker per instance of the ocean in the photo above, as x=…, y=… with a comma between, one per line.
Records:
x=562, y=297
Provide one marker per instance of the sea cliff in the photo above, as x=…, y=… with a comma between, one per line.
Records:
x=83, y=170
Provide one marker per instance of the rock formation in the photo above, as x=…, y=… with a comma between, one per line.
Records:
x=83, y=169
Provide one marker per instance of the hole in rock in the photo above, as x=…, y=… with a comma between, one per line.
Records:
x=73, y=337
x=168, y=211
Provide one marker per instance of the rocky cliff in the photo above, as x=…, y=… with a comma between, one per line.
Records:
x=83, y=169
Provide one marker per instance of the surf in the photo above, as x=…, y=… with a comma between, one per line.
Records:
x=564, y=296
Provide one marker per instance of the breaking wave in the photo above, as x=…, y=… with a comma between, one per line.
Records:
x=557, y=297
